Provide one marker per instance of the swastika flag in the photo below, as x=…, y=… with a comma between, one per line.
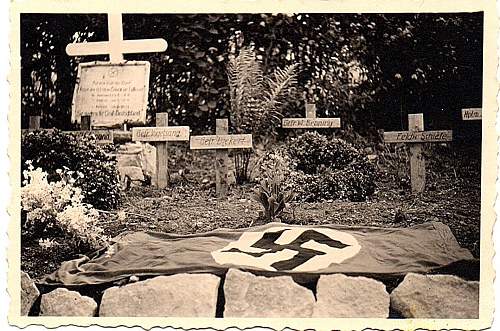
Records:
x=272, y=248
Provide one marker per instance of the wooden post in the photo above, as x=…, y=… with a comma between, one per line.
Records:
x=162, y=176
x=85, y=123
x=310, y=110
x=417, y=160
x=34, y=123
x=221, y=160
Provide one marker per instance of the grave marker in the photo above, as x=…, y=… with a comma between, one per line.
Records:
x=160, y=135
x=113, y=92
x=221, y=142
x=471, y=114
x=311, y=121
x=101, y=136
x=34, y=123
x=416, y=137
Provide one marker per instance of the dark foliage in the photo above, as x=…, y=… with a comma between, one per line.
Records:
x=322, y=168
x=53, y=149
x=369, y=69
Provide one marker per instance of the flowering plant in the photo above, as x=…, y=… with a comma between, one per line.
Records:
x=56, y=209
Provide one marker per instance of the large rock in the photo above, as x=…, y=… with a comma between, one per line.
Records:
x=436, y=296
x=29, y=293
x=352, y=297
x=181, y=295
x=62, y=302
x=134, y=160
x=248, y=295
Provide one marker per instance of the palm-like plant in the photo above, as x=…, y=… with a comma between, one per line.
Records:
x=257, y=100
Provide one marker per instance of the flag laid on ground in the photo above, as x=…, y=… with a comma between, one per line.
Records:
x=274, y=248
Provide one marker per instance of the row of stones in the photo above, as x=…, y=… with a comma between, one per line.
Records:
x=247, y=295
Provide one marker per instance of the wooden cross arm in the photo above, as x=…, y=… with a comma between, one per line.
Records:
x=126, y=47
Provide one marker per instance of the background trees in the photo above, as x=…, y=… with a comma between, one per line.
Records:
x=370, y=69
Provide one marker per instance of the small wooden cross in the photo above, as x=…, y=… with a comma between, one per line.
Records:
x=221, y=142
x=311, y=121
x=416, y=136
x=160, y=135
x=116, y=46
x=471, y=114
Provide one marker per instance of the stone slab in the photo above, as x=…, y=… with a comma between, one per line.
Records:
x=436, y=296
x=180, y=295
x=247, y=295
x=340, y=296
x=62, y=302
x=29, y=293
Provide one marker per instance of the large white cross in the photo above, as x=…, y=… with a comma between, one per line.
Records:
x=116, y=46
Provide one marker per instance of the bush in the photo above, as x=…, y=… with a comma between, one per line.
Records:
x=320, y=168
x=54, y=150
x=55, y=210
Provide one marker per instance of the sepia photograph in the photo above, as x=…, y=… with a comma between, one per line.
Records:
x=274, y=163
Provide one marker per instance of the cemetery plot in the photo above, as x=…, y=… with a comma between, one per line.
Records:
x=161, y=134
x=221, y=142
x=416, y=136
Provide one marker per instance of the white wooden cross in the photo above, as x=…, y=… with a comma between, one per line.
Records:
x=160, y=135
x=416, y=136
x=471, y=114
x=221, y=142
x=116, y=46
x=311, y=121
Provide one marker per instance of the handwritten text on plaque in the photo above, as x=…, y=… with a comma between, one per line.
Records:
x=221, y=141
x=167, y=133
x=470, y=114
x=112, y=93
x=418, y=137
x=305, y=123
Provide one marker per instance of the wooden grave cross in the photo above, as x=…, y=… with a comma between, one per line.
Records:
x=416, y=137
x=311, y=121
x=160, y=136
x=221, y=142
x=471, y=114
x=116, y=46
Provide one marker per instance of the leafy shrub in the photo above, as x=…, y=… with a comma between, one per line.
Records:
x=53, y=150
x=257, y=100
x=271, y=193
x=56, y=210
x=319, y=168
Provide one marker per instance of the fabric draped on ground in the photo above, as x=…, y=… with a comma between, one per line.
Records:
x=274, y=249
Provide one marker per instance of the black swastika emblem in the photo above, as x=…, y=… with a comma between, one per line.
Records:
x=293, y=249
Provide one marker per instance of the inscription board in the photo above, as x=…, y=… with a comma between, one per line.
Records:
x=221, y=141
x=166, y=133
x=470, y=114
x=305, y=123
x=418, y=137
x=101, y=136
x=111, y=93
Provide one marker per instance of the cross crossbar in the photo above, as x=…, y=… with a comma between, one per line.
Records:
x=116, y=46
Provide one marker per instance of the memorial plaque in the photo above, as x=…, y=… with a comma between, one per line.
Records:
x=111, y=94
x=418, y=137
x=167, y=133
x=310, y=123
x=470, y=114
x=221, y=141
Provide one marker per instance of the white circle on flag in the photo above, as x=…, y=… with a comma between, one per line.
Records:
x=245, y=252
